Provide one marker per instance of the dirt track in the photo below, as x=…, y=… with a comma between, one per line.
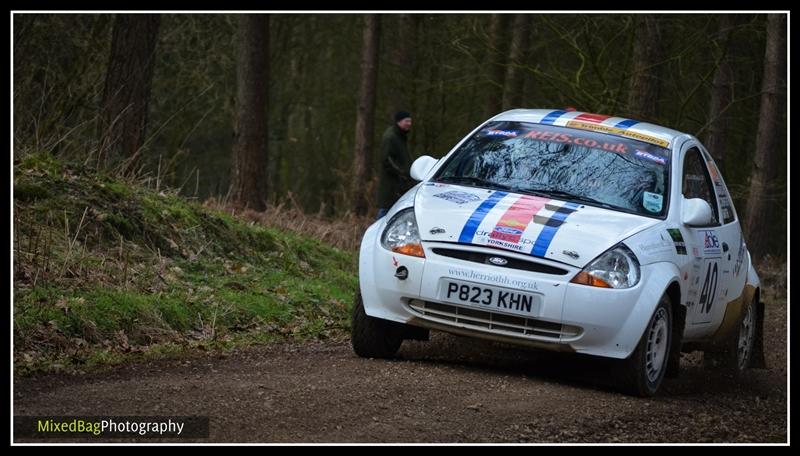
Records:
x=450, y=389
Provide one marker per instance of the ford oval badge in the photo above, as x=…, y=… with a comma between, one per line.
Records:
x=498, y=261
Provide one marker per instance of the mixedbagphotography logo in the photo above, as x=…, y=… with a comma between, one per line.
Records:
x=100, y=427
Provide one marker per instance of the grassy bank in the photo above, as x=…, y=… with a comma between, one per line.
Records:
x=106, y=270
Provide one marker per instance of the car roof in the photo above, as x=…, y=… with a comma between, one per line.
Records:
x=620, y=126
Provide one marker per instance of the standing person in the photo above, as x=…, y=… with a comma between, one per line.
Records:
x=394, y=178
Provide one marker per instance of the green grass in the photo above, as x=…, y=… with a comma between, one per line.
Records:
x=106, y=271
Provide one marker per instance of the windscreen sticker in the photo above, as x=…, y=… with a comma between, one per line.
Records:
x=468, y=232
x=617, y=131
x=552, y=136
x=507, y=133
x=653, y=202
x=458, y=197
x=651, y=157
x=677, y=239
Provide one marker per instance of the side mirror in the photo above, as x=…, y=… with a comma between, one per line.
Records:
x=696, y=212
x=422, y=166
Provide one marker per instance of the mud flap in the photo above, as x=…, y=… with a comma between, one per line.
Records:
x=759, y=361
x=674, y=360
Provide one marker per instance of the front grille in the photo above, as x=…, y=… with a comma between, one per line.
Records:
x=513, y=263
x=530, y=328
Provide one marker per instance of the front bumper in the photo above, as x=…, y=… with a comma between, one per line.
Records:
x=571, y=317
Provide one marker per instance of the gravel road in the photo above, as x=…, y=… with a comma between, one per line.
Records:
x=450, y=389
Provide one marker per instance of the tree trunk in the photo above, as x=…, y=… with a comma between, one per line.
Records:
x=648, y=53
x=365, y=117
x=126, y=93
x=402, y=62
x=721, y=95
x=757, y=230
x=249, y=171
x=495, y=64
x=514, y=82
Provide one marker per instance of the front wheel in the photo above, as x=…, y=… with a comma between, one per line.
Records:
x=642, y=372
x=373, y=337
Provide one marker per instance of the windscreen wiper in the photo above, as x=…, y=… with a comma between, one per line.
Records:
x=574, y=197
x=474, y=181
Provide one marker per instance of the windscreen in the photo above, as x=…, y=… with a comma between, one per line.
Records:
x=575, y=165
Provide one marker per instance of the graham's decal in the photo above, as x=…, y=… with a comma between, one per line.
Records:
x=513, y=223
x=525, y=224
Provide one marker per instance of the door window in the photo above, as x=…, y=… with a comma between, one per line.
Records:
x=697, y=182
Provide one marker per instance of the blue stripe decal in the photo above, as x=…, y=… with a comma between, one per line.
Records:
x=550, y=118
x=549, y=231
x=468, y=232
x=626, y=123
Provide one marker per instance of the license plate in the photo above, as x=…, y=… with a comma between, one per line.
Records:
x=490, y=298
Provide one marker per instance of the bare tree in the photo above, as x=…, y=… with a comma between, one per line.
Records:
x=365, y=117
x=721, y=94
x=496, y=55
x=249, y=168
x=767, y=137
x=126, y=94
x=648, y=54
x=402, y=59
x=514, y=82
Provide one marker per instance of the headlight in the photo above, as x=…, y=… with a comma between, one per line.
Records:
x=617, y=268
x=402, y=236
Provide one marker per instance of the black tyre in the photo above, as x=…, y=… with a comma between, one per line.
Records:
x=373, y=337
x=737, y=353
x=642, y=372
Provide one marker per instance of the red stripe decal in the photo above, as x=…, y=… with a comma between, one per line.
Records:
x=517, y=217
x=594, y=118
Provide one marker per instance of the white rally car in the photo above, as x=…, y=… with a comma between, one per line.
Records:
x=568, y=231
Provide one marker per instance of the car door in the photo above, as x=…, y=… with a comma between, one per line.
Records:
x=708, y=281
x=731, y=241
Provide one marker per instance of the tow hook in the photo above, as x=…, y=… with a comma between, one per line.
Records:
x=401, y=273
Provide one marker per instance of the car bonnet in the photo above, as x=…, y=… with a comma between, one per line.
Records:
x=567, y=232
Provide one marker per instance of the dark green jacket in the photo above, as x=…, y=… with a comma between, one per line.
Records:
x=393, y=178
